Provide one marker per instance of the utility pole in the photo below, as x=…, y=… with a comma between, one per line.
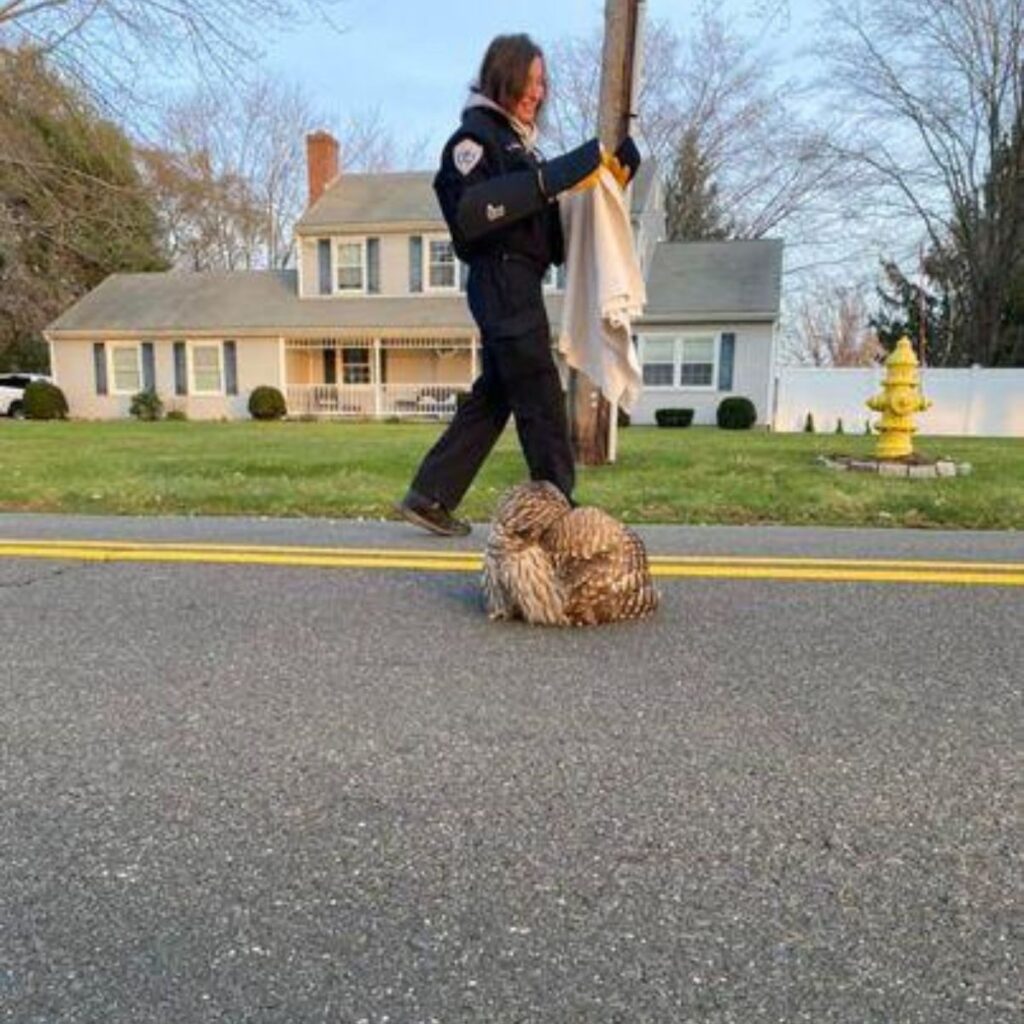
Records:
x=593, y=419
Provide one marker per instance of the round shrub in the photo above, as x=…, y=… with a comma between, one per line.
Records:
x=736, y=414
x=44, y=401
x=266, y=403
x=673, y=417
x=146, y=405
x=178, y=415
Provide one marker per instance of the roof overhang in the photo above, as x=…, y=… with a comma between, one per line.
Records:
x=263, y=333
x=368, y=227
x=706, y=317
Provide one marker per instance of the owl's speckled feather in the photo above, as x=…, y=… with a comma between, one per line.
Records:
x=552, y=564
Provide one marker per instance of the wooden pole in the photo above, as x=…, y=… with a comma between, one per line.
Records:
x=592, y=416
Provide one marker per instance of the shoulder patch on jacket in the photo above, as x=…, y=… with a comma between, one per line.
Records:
x=466, y=155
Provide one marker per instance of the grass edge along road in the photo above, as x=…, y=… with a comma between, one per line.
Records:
x=356, y=470
x=837, y=570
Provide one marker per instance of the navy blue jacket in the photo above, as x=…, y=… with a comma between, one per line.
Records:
x=501, y=224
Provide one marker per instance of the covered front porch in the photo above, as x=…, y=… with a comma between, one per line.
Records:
x=379, y=377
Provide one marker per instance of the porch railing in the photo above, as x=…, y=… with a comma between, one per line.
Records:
x=383, y=401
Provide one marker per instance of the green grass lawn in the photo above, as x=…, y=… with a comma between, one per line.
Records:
x=351, y=470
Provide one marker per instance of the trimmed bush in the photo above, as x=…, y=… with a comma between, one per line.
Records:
x=673, y=417
x=177, y=415
x=44, y=401
x=146, y=405
x=623, y=419
x=267, y=403
x=736, y=414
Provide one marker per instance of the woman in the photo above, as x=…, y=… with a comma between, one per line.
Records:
x=499, y=199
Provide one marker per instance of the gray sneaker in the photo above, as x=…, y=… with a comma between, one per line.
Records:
x=431, y=515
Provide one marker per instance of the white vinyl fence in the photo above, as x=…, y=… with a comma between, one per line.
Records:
x=976, y=402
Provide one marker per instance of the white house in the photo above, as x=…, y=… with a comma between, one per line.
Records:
x=372, y=322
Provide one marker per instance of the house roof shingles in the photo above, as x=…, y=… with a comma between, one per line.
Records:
x=735, y=280
x=256, y=303
x=355, y=201
x=688, y=282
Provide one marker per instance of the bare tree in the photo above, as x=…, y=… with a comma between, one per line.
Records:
x=106, y=44
x=712, y=91
x=831, y=327
x=229, y=168
x=369, y=144
x=933, y=95
x=234, y=155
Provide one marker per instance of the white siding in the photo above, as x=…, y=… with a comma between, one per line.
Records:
x=752, y=374
x=257, y=361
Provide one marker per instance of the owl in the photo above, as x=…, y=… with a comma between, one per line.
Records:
x=552, y=564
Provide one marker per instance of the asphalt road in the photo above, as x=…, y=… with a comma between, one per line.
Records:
x=279, y=794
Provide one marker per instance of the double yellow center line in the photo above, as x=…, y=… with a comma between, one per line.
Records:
x=832, y=570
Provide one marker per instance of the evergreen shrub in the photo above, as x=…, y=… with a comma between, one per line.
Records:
x=44, y=401
x=736, y=414
x=267, y=403
x=146, y=405
x=673, y=417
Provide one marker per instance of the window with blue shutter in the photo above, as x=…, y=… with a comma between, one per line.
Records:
x=323, y=255
x=148, y=367
x=230, y=368
x=180, y=369
x=99, y=362
x=727, y=359
x=373, y=266
x=415, y=263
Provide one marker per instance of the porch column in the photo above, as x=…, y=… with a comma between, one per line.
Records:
x=377, y=390
x=472, y=359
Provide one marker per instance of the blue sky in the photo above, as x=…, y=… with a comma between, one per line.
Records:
x=413, y=59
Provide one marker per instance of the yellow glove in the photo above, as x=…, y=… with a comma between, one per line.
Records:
x=611, y=161
x=619, y=172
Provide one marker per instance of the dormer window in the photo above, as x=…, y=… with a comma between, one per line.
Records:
x=350, y=266
x=442, y=268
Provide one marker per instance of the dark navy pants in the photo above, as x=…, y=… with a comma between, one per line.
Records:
x=518, y=378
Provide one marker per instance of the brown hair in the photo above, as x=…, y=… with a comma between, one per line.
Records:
x=506, y=69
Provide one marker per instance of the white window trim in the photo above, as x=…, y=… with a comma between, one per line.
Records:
x=644, y=338
x=190, y=368
x=339, y=240
x=677, y=360
x=715, y=361
x=448, y=289
x=112, y=387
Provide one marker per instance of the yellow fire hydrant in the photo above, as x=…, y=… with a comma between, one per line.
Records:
x=898, y=403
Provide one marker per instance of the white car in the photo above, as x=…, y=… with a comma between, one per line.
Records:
x=12, y=389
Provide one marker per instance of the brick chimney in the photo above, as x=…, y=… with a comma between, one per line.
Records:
x=322, y=163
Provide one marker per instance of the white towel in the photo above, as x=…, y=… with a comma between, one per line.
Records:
x=604, y=290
